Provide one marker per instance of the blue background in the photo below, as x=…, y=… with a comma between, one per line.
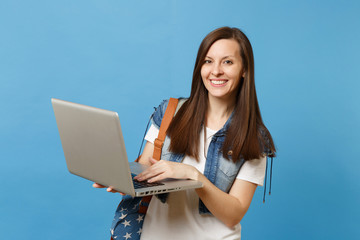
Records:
x=127, y=56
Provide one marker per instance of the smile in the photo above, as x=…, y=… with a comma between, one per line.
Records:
x=218, y=82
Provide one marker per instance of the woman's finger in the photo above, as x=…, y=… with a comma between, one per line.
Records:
x=147, y=174
x=157, y=178
x=109, y=189
x=96, y=185
x=150, y=172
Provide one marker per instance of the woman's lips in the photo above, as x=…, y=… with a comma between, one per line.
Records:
x=218, y=82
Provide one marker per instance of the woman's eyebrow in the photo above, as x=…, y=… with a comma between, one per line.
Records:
x=229, y=56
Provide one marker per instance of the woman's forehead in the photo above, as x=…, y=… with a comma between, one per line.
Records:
x=223, y=48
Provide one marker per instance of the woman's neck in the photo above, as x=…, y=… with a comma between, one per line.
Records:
x=218, y=112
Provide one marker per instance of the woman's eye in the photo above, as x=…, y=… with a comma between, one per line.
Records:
x=207, y=61
x=228, y=62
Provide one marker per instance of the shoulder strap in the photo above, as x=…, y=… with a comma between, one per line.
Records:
x=158, y=143
x=168, y=116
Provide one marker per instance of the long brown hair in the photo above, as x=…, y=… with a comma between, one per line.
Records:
x=247, y=136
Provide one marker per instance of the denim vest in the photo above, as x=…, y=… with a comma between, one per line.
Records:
x=220, y=171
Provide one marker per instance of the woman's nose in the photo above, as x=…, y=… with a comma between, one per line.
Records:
x=216, y=70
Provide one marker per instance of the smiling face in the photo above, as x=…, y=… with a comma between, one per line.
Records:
x=222, y=69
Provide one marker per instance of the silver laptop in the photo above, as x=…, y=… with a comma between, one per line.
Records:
x=94, y=149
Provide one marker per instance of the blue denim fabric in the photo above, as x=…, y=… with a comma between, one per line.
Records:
x=220, y=171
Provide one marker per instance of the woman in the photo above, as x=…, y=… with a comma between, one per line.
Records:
x=217, y=137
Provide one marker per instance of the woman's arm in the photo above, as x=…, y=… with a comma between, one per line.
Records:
x=147, y=154
x=230, y=207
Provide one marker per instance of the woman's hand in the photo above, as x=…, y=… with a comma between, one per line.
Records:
x=162, y=169
x=109, y=189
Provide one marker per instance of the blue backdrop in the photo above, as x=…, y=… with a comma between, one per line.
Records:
x=127, y=56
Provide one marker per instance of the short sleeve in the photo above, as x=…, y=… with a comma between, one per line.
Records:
x=159, y=113
x=253, y=171
x=152, y=134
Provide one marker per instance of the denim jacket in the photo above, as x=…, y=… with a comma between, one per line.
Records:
x=220, y=171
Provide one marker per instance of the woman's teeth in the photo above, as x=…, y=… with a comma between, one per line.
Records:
x=218, y=82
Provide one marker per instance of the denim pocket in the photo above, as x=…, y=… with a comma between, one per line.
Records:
x=227, y=173
x=228, y=167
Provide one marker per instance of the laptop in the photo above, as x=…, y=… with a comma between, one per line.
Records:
x=94, y=149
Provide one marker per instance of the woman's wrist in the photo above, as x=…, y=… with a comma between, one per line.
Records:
x=195, y=174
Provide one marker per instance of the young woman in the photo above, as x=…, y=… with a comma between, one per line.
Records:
x=217, y=137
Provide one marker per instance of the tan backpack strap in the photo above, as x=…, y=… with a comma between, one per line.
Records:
x=168, y=116
x=158, y=143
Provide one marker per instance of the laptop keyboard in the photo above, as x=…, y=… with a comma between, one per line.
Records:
x=144, y=184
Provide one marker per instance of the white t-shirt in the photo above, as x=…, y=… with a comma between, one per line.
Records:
x=179, y=217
